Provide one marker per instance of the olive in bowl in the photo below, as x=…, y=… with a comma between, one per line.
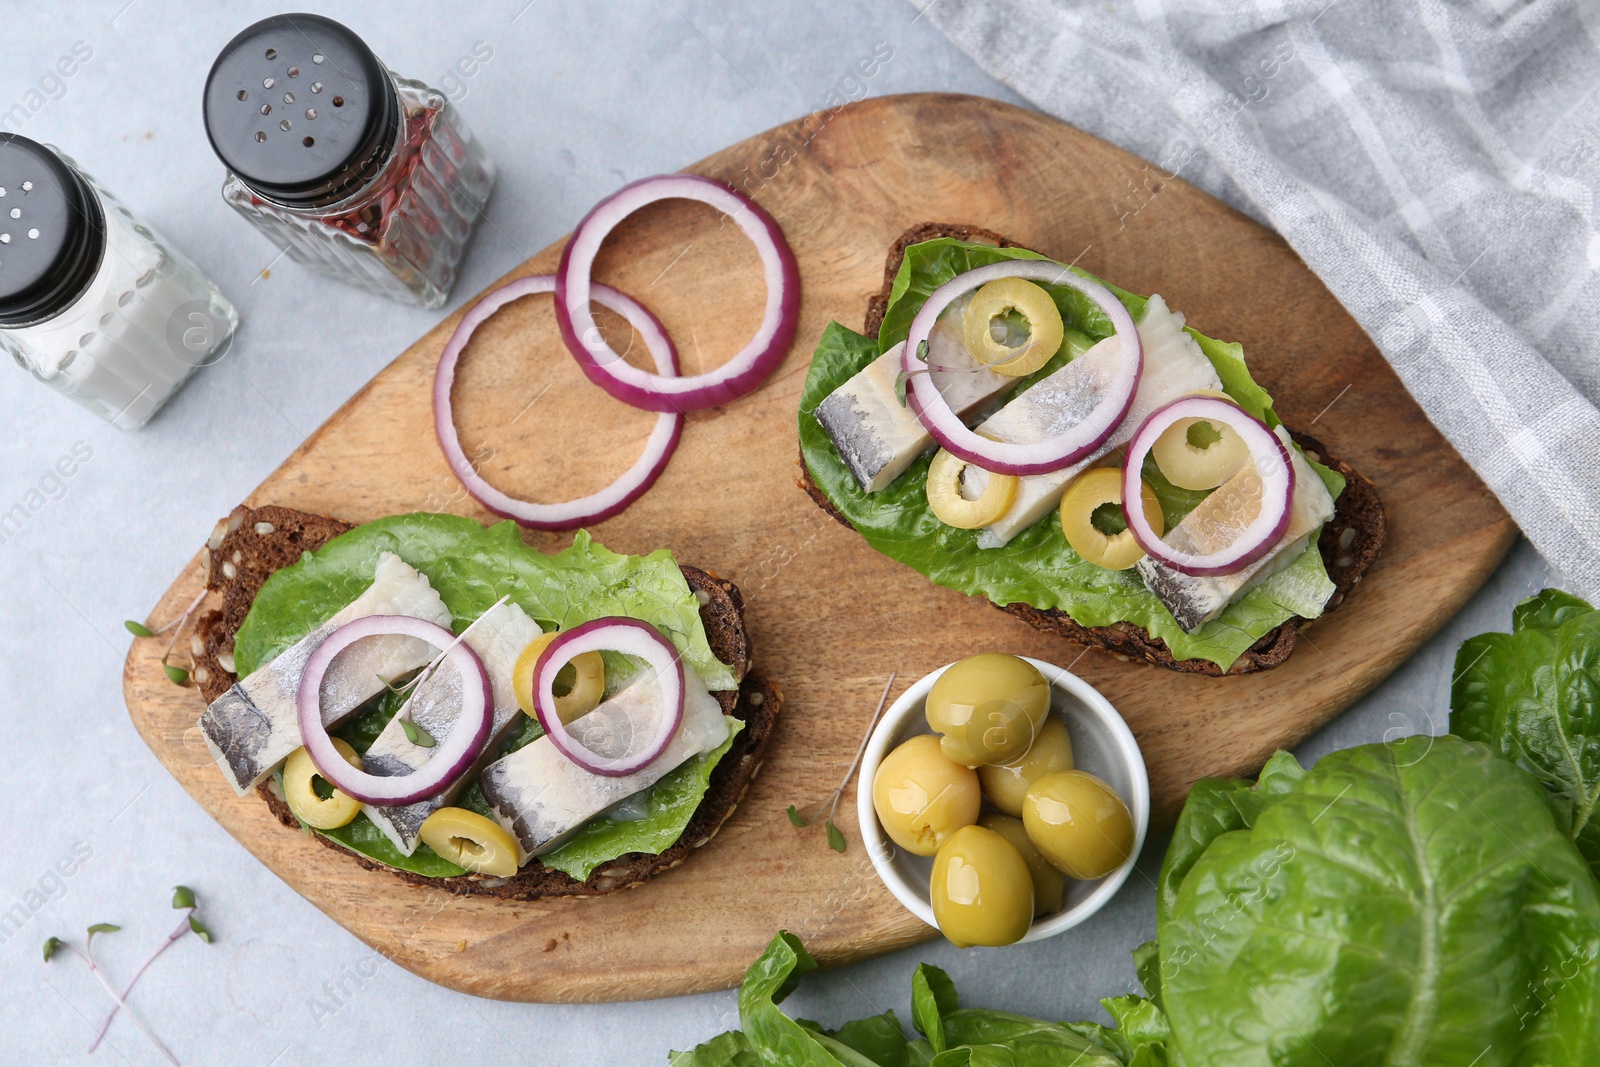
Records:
x=989, y=708
x=922, y=797
x=1100, y=744
x=1049, y=884
x=1005, y=784
x=980, y=888
x=1079, y=824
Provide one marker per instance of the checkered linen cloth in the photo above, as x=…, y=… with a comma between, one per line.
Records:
x=1435, y=163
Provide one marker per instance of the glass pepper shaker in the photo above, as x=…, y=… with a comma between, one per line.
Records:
x=92, y=301
x=352, y=170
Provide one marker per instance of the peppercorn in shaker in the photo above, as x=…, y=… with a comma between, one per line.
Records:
x=352, y=170
x=92, y=302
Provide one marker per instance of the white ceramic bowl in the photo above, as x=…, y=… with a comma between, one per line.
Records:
x=1102, y=744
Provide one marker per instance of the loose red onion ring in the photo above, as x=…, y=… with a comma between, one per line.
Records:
x=454, y=754
x=1002, y=457
x=614, y=634
x=655, y=392
x=1272, y=463
x=593, y=508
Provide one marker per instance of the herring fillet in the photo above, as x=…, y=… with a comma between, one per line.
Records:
x=876, y=434
x=542, y=798
x=1195, y=601
x=253, y=727
x=1174, y=366
x=498, y=638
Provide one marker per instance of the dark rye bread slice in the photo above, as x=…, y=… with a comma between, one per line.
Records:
x=1350, y=542
x=252, y=543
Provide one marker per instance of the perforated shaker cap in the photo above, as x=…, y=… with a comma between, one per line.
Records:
x=52, y=233
x=299, y=108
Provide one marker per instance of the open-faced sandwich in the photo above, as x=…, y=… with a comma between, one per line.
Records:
x=1000, y=409
x=442, y=700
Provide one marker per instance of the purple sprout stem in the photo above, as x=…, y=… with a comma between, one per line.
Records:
x=88, y=960
x=183, y=928
x=862, y=751
x=177, y=624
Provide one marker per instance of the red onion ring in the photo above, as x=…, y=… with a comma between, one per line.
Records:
x=595, y=507
x=613, y=634
x=1002, y=457
x=742, y=374
x=1272, y=463
x=454, y=754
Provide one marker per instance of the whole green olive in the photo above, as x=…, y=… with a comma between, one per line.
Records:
x=981, y=890
x=1004, y=784
x=922, y=797
x=1049, y=884
x=989, y=708
x=1078, y=823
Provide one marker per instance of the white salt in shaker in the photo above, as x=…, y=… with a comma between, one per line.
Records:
x=92, y=302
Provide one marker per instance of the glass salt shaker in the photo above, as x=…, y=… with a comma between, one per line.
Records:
x=93, y=302
x=350, y=169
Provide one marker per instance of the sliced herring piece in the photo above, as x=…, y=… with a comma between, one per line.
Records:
x=253, y=727
x=542, y=798
x=1174, y=366
x=498, y=638
x=1214, y=523
x=876, y=435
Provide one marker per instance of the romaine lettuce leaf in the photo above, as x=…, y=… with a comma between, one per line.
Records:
x=1533, y=695
x=956, y=1036
x=1038, y=567
x=933, y=996
x=776, y=1037
x=1214, y=807
x=730, y=1049
x=880, y=1038
x=1407, y=903
x=472, y=567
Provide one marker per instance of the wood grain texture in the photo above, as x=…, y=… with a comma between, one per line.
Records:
x=829, y=617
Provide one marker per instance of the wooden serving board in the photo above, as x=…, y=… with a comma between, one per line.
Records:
x=830, y=618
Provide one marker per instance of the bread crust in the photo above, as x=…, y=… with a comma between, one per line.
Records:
x=253, y=543
x=1350, y=542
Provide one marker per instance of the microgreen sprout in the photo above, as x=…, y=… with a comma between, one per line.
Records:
x=177, y=675
x=55, y=944
x=836, y=839
x=183, y=899
x=903, y=379
x=416, y=734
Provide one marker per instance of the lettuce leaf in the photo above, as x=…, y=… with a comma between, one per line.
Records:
x=880, y=1038
x=1038, y=567
x=1533, y=696
x=1404, y=903
x=472, y=567
x=975, y=1037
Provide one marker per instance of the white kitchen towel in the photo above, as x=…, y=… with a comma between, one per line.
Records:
x=1435, y=163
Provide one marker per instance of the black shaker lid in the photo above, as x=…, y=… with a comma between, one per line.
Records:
x=299, y=108
x=52, y=232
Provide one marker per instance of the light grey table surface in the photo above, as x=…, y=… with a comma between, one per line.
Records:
x=576, y=99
